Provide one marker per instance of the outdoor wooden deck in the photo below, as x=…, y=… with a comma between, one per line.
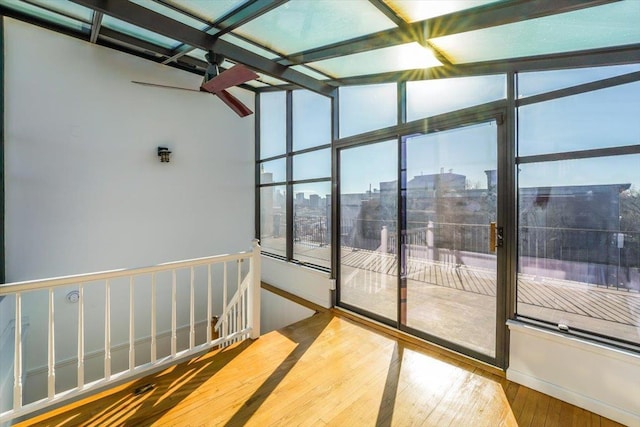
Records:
x=581, y=303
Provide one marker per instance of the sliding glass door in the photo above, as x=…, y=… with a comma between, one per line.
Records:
x=368, y=226
x=448, y=251
x=421, y=237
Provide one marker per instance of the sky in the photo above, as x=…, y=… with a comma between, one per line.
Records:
x=600, y=119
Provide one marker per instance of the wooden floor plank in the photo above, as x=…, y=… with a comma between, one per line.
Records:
x=325, y=370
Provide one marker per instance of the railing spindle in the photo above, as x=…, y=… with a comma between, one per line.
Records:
x=132, y=318
x=254, y=291
x=80, y=336
x=192, y=321
x=234, y=322
x=153, y=318
x=174, y=336
x=51, y=378
x=239, y=293
x=17, y=363
x=225, y=323
x=107, y=330
x=208, y=303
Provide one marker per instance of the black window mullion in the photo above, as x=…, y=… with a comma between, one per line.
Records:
x=289, y=136
x=402, y=102
x=256, y=127
x=335, y=197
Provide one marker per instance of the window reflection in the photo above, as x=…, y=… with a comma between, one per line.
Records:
x=273, y=120
x=365, y=108
x=431, y=97
x=368, y=227
x=315, y=164
x=311, y=223
x=273, y=219
x=579, y=244
x=311, y=120
x=599, y=119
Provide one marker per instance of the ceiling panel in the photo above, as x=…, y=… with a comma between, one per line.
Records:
x=211, y=11
x=172, y=13
x=67, y=8
x=412, y=10
x=265, y=78
x=395, y=58
x=299, y=25
x=613, y=24
x=309, y=72
x=78, y=18
x=140, y=33
x=537, y=82
x=249, y=46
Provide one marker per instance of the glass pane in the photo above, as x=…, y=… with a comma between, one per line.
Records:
x=273, y=219
x=614, y=24
x=311, y=225
x=255, y=83
x=316, y=164
x=248, y=46
x=599, y=119
x=309, y=72
x=365, y=108
x=304, y=24
x=210, y=11
x=408, y=56
x=450, y=270
x=68, y=8
x=412, y=10
x=273, y=124
x=431, y=97
x=311, y=120
x=368, y=225
x=545, y=81
x=579, y=244
x=139, y=33
x=172, y=13
x=273, y=171
x=265, y=78
x=46, y=15
x=7, y=355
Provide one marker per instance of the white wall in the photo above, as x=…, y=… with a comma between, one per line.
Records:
x=601, y=379
x=307, y=283
x=84, y=188
x=277, y=312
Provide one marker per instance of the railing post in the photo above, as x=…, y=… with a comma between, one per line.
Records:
x=17, y=358
x=80, y=336
x=254, y=291
x=107, y=330
x=132, y=326
x=51, y=378
x=384, y=236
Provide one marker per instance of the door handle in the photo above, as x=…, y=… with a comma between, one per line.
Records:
x=496, y=236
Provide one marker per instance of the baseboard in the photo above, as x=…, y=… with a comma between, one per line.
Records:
x=570, y=396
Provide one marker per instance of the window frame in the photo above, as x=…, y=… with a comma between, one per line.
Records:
x=289, y=182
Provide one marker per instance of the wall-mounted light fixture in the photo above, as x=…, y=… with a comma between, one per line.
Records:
x=164, y=153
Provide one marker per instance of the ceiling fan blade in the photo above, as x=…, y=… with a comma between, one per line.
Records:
x=164, y=86
x=233, y=76
x=234, y=103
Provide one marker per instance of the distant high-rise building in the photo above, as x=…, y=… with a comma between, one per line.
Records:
x=300, y=199
x=314, y=201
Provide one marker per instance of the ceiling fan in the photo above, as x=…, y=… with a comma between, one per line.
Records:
x=216, y=82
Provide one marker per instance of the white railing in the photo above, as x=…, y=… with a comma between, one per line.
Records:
x=239, y=319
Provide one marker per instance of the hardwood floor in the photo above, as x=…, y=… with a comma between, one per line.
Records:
x=325, y=370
